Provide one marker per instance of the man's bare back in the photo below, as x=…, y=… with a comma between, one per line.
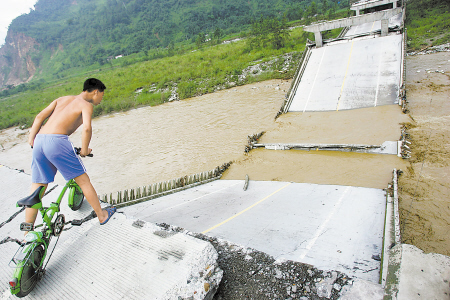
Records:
x=64, y=115
x=67, y=115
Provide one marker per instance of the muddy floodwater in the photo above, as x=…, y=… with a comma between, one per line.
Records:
x=370, y=126
x=151, y=144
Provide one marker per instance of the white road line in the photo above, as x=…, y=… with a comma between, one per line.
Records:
x=378, y=76
x=345, y=77
x=314, y=82
x=321, y=229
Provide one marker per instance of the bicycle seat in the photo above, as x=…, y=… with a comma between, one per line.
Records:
x=32, y=199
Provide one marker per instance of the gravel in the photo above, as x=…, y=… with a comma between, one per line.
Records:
x=252, y=274
x=431, y=50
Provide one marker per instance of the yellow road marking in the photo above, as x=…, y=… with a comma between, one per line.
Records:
x=240, y=213
x=345, y=76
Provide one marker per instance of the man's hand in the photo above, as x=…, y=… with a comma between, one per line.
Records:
x=85, y=152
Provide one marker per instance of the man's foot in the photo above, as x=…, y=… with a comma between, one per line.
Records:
x=110, y=211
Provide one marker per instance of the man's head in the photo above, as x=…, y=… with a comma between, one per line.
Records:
x=94, y=88
x=92, y=84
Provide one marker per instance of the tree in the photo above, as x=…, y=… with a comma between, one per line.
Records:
x=269, y=31
x=325, y=6
x=313, y=7
x=201, y=38
x=217, y=34
x=279, y=32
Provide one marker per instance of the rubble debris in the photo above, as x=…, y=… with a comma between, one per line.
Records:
x=430, y=50
x=252, y=274
x=252, y=139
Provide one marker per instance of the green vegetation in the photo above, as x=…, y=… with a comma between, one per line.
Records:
x=74, y=34
x=135, y=80
x=428, y=23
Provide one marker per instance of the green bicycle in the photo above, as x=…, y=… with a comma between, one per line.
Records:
x=29, y=258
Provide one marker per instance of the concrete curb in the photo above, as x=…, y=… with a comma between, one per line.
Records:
x=297, y=78
x=145, y=193
x=168, y=192
x=391, y=258
x=407, y=272
x=389, y=237
x=392, y=277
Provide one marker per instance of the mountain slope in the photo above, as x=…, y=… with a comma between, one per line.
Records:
x=69, y=34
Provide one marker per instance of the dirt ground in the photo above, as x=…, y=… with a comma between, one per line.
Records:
x=424, y=188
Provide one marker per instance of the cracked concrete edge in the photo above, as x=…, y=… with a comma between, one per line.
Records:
x=206, y=284
x=326, y=285
x=361, y=289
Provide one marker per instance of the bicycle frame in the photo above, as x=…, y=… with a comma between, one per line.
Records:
x=36, y=238
x=48, y=213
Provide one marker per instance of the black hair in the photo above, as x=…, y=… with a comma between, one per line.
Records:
x=92, y=84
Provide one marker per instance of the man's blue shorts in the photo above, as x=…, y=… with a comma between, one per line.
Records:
x=52, y=152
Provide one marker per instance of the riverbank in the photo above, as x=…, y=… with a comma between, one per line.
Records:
x=424, y=188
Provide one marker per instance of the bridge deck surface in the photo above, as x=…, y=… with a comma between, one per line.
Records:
x=351, y=74
x=331, y=227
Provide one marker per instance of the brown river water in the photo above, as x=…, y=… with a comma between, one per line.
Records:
x=152, y=144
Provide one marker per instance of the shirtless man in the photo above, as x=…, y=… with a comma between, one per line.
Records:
x=52, y=149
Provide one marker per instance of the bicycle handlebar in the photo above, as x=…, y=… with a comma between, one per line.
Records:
x=78, y=150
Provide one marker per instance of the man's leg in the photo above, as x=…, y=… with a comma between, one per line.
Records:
x=91, y=196
x=31, y=213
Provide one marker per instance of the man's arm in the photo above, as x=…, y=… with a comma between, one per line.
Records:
x=39, y=120
x=86, y=133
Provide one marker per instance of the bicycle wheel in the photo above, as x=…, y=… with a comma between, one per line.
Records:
x=75, y=198
x=30, y=272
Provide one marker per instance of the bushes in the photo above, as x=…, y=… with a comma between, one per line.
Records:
x=152, y=99
x=428, y=23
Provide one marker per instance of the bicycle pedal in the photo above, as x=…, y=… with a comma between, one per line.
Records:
x=76, y=222
x=26, y=226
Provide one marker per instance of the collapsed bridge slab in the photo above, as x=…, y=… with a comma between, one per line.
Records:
x=329, y=226
x=357, y=73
